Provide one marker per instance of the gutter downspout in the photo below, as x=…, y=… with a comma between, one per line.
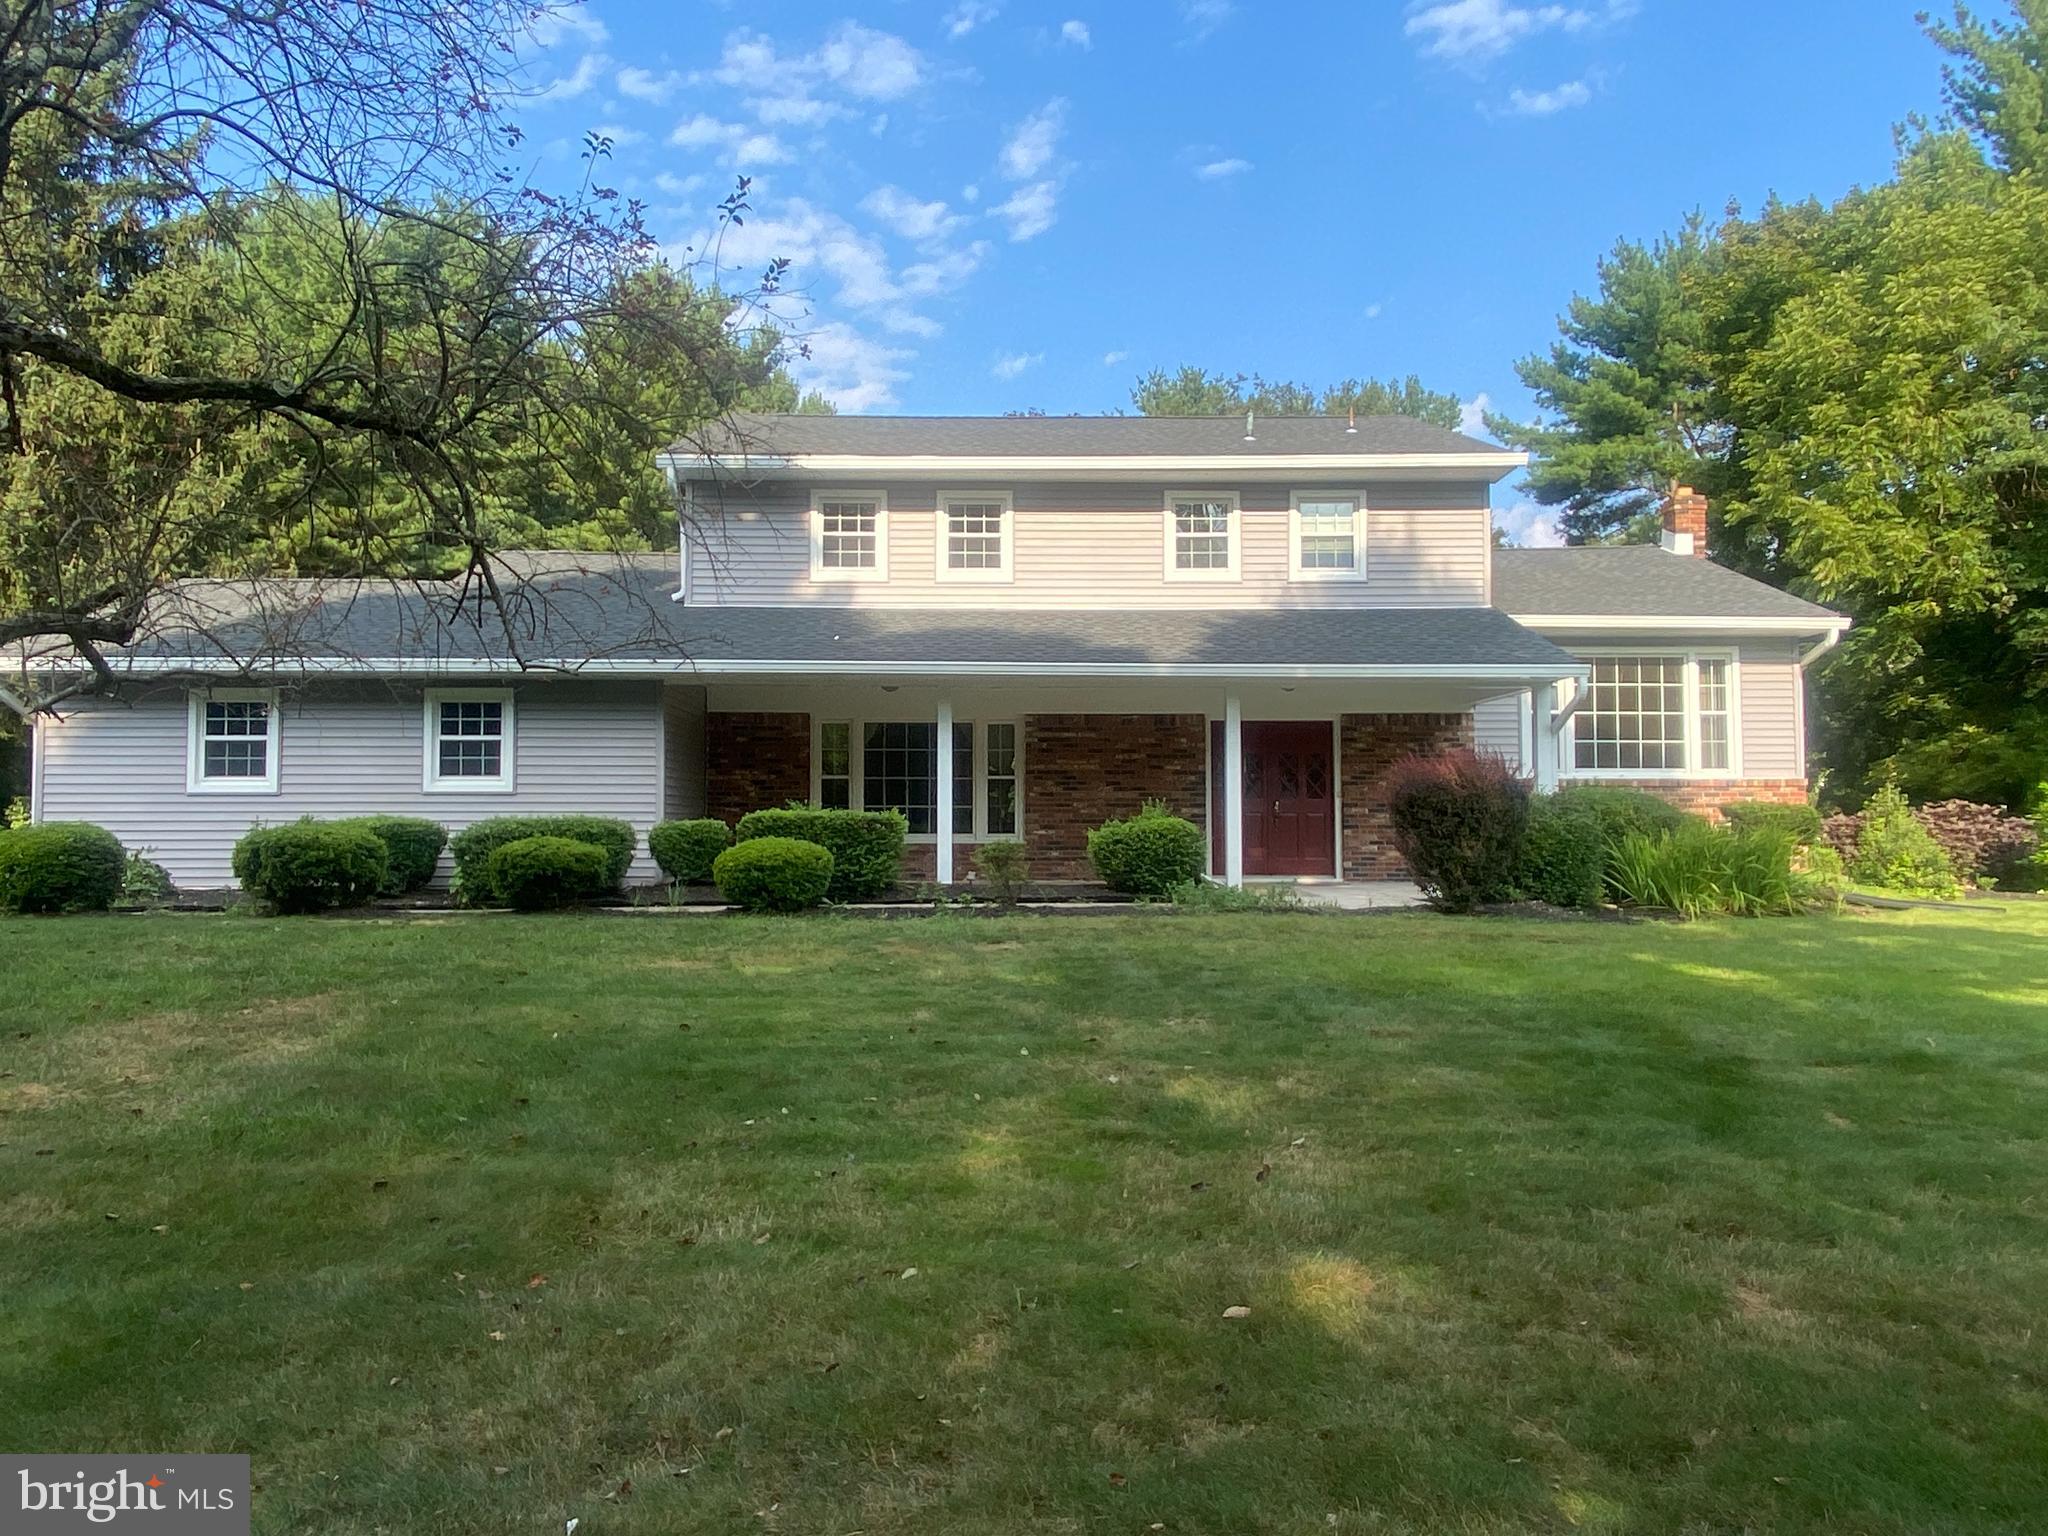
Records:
x=682, y=591
x=1827, y=643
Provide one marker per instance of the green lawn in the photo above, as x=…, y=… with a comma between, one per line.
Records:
x=831, y=1225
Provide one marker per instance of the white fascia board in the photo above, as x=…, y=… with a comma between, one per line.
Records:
x=1088, y=466
x=1567, y=623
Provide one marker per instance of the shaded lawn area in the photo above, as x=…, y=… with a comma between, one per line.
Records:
x=477, y=1225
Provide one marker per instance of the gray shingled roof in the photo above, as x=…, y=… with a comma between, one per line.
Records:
x=617, y=610
x=1631, y=580
x=1163, y=436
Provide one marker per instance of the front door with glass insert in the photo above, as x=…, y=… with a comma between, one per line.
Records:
x=1290, y=797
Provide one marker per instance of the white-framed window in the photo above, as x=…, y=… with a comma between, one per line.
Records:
x=849, y=536
x=975, y=536
x=884, y=765
x=1656, y=713
x=1201, y=533
x=1326, y=536
x=232, y=744
x=469, y=736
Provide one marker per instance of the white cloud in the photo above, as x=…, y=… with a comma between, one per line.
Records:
x=1011, y=364
x=1032, y=144
x=619, y=134
x=1472, y=414
x=945, y=271
x=1373, y=311
x=1219, y=170
x=1476, y=30
x=854, y=372
x=1529, y=526
x=1111, y=359
x=1031, y=210
x=1075, y=34
x=1205, y=16
x=736, y=143
x=858, y=60
x=908, y=217
x=680, y=186
x=970, y=193
x=1573, y=93
x=577, y=81
x=798, y=109
x=556, y=22
x=966, y=16
x=646, y=85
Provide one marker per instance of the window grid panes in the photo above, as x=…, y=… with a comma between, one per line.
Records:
x=847, y=535
x=471, y=738
x=1714, y=755
x=1327, y=536
x=1201, y=535
x=963, y=778
x=1635, y=719
x=1001, y=774
x=899, y=770
x=237, y=739
x=974, y=536
x=835, y=765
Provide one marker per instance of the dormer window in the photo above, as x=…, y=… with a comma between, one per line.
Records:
x=1326, y=536
x=1201, y=536
x=974, y=536
x=849, y=536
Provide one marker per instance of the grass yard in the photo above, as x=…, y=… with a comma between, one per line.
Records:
x=831, y=1226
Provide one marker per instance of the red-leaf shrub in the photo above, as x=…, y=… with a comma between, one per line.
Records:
x=1980, y=840
x=1459, y=820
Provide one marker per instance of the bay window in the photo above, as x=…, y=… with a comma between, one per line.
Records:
x=893, y=765
x=1657, y=714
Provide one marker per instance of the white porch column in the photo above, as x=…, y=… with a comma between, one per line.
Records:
x=942, y=867
x=1233, y=791
x=1544, y=701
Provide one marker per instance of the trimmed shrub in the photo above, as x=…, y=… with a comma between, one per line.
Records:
x=412, y=849
x=1894, y=851
x=310, y=866
x=1702, y=869
x=773, y=874
x=473, y=846
x=1564, y=854
x=1147, y=854
x=1622, y=811
x=685, y=849
x=1004, y=866
x=1459, y=819
x=866, y=846
x=1801, y=821
x=60, y=866
x=539, y=874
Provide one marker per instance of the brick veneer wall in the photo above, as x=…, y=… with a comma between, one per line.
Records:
x=755, y=762
x=1368, y=746
x=1081, y=770
x=1706, y=796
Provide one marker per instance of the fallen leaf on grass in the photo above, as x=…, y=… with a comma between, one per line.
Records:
x=1237, y=1311
x=1116, y=1479
x=908, y=1274
x=498, y=1334
x=536, y=1282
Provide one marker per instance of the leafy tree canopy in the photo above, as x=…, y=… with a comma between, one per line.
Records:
x=1192, y=391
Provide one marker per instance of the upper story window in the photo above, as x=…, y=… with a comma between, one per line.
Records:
x=1665, y=714
x=232, y=747
x=469, y=740
x=975, y=536
x=849, y=536
x=1201, y=536
x=1326, y=537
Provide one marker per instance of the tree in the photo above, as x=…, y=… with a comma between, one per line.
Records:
x=1997, y=90
x=1192, y=391
x=269, y=297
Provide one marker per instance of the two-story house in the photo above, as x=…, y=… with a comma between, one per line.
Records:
x=1006, y=628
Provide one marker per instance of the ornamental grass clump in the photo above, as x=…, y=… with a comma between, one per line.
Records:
x=1701, y=870
x=1459, y=819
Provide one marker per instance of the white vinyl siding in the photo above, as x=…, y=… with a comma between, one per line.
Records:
x=1098, y=546
x=1497, y=727
x=683, y=774
x=346, y=749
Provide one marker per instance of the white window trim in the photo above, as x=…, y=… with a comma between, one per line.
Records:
x=507, y=778
x=196, y=781
x=856, y=795
x=822, y=572
x=1295, y=570
x=1234, y=545
x=943, y=526
x=1569, y=748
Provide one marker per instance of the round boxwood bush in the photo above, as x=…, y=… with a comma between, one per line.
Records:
x=1147, y=854
x=60, y=866
x=311, y=866
x=866, y=846
x=1564, y=854
x=1624, y=811
x=412, y=849
x=472, y=847
x=685, y=849
x=773, y=874
x=538, y=874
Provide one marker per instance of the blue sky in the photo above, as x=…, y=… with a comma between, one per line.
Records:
x=1000, y=204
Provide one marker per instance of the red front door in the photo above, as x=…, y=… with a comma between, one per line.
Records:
x=1290, y=797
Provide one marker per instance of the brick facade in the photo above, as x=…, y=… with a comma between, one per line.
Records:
x=1368, y=745
x=1082, y=770
x=1706, y=796
x=755, y=762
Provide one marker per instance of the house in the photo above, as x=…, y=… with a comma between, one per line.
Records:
x=1008, y=628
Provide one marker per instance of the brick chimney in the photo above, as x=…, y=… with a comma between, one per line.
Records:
x=1685, y=522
